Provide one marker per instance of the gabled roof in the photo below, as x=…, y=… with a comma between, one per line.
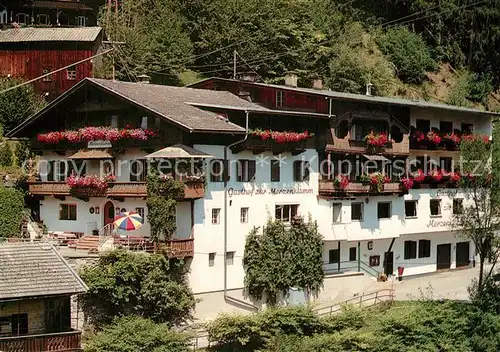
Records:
x=355, y=97
x=169, y=103
x=32, y=34
x=29, y=270
x=59, y=5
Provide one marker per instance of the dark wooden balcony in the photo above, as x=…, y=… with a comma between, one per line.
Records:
x=257, y=146
x=350, y=146
x=355, y=188
x=56, y=342
x=192, y=189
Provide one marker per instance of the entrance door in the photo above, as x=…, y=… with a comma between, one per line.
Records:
x=389, y=263
x=462, y=254
x=109, y=213
x=443, y=256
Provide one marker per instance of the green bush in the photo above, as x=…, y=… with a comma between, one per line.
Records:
x=125, y=283
x=6, y=155
x=136, y=334
x=408, y=52
x=251, y=332
x=11, y=212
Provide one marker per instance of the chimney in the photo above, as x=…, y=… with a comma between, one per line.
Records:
x=369, y=89
x=248, y=76
x=291, y=80
x=143, y=79
x=317, y=83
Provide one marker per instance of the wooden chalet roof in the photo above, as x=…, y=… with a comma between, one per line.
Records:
x=32, y=34
x=29, y=270
x=59, y=5
x=352, y=97
x=174, y=104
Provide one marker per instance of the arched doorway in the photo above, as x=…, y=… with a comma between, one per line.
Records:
x=109, y=213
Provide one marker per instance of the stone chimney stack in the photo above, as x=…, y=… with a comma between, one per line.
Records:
x=317, y=83
x=248, y=77
x=369, y=89
x=144, y=79
x=291, y=80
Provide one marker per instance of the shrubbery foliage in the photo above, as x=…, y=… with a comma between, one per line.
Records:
x=126, y=283
x=12, y=212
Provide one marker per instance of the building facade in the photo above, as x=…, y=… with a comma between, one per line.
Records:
x=35, y=308
x=44, y=13
x=274, y=152
x=31, y=52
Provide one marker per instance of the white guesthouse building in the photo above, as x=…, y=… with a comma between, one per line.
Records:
x=367, y=230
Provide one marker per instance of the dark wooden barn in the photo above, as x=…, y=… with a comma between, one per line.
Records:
x=31, y=52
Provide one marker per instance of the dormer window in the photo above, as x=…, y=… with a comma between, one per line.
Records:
x=43, y=19
x=280, y=98
x=81, y=21
x=22, y=18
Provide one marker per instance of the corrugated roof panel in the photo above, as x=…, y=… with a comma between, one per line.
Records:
x=31, y=34
x=35, y=269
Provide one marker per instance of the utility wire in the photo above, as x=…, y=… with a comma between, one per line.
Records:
x=250, y=67
x=55, y=71
x=410, y=15
x=437, y=14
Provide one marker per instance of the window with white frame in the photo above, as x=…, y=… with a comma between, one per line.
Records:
x=280, y=98
x=411, y=208
x=22, y=18
x=81, y=21
x=216, y=216
x=211, y=259
x=337, y=212
x=140, y=211
x=71, y=73
x=244, y=215
x=47, y=78
x=357, y=211
x=301, y=170
x=435, y=207
x=43, y=19
x=229, y=258
x=458, y=206
x=67, y=212
x=245, y=170
x=114, y=121
x=384, y=210
x=286, y=212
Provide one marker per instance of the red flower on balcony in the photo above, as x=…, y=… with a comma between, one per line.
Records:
x=433, y=137
x=50, y=137
x=453, y=137
x=455, y=177
x=407, y=182
x=418, y=136
x=418, y=176
x=476, y=137
x=281, y=137
x=377, y=180
x=87, y=181
x=341, y=181
x=436, y=175
x=96, y=133
x=376, y=139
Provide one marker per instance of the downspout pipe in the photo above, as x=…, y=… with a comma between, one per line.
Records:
x=227, y=298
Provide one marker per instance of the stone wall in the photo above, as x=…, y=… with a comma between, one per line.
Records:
x=35, y=310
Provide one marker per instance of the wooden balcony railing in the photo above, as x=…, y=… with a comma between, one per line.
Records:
x=351, y=146
x=257, y=145
x=56, y=342
x=192, y=189
x=326, y=188
x=176, y=248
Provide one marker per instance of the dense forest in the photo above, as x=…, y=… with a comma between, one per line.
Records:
x=443, y=50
